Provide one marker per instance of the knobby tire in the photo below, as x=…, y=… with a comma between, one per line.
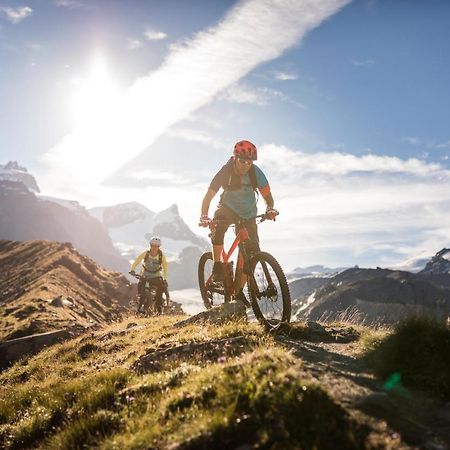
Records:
x=266, y=307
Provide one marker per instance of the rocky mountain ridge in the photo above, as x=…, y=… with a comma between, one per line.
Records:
x=48, y=285
x=379, y=296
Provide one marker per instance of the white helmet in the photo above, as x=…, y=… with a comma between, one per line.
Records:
x=155, y=240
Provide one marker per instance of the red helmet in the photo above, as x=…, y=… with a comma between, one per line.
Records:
x=245, y=149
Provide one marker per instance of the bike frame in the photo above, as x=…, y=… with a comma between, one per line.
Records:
x=229, y=284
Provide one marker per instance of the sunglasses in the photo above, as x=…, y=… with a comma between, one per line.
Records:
x=249, y=162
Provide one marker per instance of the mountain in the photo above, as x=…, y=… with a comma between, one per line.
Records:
x=376, y=297
x=414, y=264
x=439, y=264
x=26, y=215
x=13, y=172
x=313, y=271
x=49, y=285
x=131, y=225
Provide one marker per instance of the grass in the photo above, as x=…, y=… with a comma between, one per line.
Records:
x=85, y=392
x=416, y=354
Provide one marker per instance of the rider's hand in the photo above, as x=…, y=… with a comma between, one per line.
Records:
x=271, y=213
x=204, y=221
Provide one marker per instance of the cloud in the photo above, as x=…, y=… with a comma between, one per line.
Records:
x=70, y=4
x=193, y=74
x=197, y=136
x=339, y=164
x=239, y=93
x=355, y=208
x=283, y=76
x=363, y=63
x=133, y=44
x=16, y=15
x=152, y=35
x=411, y=140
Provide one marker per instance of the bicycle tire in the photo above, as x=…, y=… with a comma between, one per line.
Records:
x=210, y=297
x=271, y=303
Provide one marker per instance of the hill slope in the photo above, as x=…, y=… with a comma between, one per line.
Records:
x=48, y=285
x=144, y=383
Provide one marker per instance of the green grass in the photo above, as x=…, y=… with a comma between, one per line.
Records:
x=85, y=393
x=416, y=354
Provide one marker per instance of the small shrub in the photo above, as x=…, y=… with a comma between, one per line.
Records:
x=417, y=354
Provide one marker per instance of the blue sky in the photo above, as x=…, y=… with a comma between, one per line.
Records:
x=111, y=101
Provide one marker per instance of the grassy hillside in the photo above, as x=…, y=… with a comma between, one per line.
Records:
x=146, y=384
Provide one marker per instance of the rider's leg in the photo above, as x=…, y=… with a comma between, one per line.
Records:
x=224, y=216
x=252, y=229
x=141, y=296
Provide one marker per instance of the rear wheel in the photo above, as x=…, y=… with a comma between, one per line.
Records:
x=269, y=291
x=213, y=294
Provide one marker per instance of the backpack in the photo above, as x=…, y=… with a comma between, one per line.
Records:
x=147, y=255
x=234, y=181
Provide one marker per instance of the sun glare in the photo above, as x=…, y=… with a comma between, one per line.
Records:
x=96, y=96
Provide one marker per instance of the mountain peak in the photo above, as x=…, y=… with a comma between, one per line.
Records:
x=439, y=263
x=12, y=171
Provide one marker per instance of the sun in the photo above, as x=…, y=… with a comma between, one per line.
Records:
x=95, y=98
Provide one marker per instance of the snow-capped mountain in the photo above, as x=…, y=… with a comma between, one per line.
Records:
x=12, y=171
x=131, y=225
x=414, y=264
x=316, y=271
x=439, y=264
x=25, y=215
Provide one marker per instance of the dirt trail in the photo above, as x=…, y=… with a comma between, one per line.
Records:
x=399, y=418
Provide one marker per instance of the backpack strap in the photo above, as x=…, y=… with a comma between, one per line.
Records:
x=232, y=178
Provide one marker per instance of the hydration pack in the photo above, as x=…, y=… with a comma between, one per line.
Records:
x=147, y=256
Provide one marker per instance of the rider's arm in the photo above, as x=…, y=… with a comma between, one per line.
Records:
x=164, y=267
x=216, y=183
x=138, y=260
x=207, y=201
x=264, y=187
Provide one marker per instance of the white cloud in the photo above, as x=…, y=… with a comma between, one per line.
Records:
x=16, y=15
x=133, y=44
x=197, y=136
x=159, y=177
x=192, y=76
x=295, y=163
x=152, y=35
x=411, y=140
x=70, y=4
x=284, y=76
x=363, y=63
x=355, y=206
x=239, y=93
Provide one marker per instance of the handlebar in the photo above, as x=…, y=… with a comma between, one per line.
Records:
x=214, y=222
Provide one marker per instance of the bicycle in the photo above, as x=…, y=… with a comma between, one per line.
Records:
x=152, y=304
x=266, y=283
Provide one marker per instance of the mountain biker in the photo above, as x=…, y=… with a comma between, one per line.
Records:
x=239, y=178
x=154, y=269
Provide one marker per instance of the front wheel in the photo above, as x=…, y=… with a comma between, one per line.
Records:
x=269, y=291
x=212, y=293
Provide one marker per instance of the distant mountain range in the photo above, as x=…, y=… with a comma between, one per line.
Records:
x=376, y=296
x=113, y=236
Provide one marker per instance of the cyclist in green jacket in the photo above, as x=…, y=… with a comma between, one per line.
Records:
x=239, y=178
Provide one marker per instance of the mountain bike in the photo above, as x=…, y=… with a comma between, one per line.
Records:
x=152, y=302
x=266, y=283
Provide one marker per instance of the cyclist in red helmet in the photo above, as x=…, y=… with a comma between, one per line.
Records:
x=240, y=178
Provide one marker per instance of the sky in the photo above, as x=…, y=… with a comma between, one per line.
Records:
x=347, y=101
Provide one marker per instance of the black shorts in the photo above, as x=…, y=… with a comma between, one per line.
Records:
x=226, y=216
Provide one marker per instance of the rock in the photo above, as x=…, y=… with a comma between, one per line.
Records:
x=57, y=302
x=315, y=327
x=217, y=315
